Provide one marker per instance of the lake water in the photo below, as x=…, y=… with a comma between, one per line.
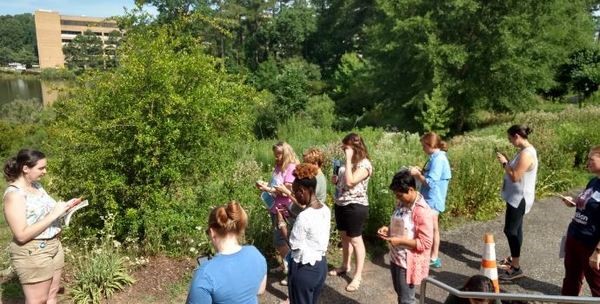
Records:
x=19, y=88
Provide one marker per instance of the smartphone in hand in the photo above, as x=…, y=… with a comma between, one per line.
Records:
x=564, y=198
x=336, y=166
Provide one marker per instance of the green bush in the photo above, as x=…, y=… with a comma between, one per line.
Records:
x=99, y=270
x=145, y=140
x=57, y=74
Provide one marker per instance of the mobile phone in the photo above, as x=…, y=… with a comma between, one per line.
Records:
x=564, y=198
x=336, y=166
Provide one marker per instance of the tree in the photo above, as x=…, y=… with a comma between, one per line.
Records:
x=485, y=54
x=17, y=39
x=84, y=51
x=110, y=49
x=340, y=30
x=293, y=26
x=582, y=72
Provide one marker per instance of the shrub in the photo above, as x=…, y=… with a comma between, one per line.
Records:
x=57, y=74
x=144, y=140
x=100, y=270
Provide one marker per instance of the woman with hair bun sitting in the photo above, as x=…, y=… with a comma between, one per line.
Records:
x=237, y=274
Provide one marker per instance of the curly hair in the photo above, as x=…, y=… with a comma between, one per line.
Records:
x=306, y=171
x=313, y=156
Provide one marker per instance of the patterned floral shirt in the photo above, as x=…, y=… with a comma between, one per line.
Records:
x=37, y=206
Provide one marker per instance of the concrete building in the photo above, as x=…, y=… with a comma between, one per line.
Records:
x=53, y=31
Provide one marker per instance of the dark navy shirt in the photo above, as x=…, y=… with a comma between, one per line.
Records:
x=585, y=225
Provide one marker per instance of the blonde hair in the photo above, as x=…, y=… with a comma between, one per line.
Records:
x=289, y=156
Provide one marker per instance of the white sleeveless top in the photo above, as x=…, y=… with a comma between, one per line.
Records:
x=514, y=192
x=36, y=208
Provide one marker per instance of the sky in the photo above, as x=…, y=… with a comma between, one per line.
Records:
x=91, y=8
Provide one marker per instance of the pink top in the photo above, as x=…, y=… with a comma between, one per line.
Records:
x=279, y=178
x=417, y=259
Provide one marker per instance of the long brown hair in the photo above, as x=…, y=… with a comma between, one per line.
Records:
x=434, y=141
x=357, y=144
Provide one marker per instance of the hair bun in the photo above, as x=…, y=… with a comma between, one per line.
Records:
x=528, y=130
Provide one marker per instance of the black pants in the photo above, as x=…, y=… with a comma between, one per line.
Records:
x=305, y=282
x=513, y=227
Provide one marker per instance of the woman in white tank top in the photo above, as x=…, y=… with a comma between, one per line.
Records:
x=518, y=191
x=34, y=220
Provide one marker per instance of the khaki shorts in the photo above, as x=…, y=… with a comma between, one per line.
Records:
x=37, y=260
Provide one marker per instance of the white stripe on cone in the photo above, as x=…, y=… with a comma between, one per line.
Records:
x=489, y=258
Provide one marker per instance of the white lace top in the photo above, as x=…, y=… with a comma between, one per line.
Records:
x=310, y=235
x=37, y=206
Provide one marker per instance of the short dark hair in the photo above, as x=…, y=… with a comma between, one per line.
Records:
x=403, y=181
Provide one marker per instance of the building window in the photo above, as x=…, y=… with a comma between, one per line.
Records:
x=70, y=32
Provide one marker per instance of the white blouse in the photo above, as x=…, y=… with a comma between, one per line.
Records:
x=310, y=235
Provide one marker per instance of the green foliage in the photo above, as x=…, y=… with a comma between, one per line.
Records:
x=320, y=111
x=581, y=73
x=487, y=55
x=353, y=91
x=99, y=271
x=436, y=116
x=143, y=141
x=340, y=30
x=17, y=39
x=57, y=74
x=84, y=51
x=292, y=27
x=291, y=84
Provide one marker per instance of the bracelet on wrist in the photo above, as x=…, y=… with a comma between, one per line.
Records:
x=504, y=164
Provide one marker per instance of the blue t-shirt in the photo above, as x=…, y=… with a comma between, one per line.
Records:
x=437, y=175
x=585, y=225
x=232, y=278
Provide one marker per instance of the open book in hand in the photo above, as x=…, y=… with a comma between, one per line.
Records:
x=73, y=210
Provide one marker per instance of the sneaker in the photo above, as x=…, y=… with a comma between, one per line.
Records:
x=510, y=274
x=437, y=263
x=504, y=263
x=283, y=282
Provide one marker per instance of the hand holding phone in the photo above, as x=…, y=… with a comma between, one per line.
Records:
x=383, y=232
x=567, y=200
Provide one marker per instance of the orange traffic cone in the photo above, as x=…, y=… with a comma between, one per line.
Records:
x=488, y=260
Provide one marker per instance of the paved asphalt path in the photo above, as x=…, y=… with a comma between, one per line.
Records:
x=461, y=251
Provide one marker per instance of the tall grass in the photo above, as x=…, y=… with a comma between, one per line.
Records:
x=561, y=139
